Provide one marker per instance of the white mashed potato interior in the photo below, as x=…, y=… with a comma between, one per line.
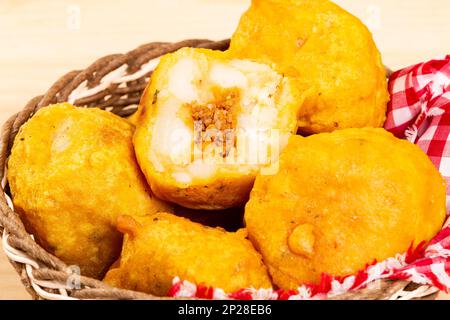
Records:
x=239, y=99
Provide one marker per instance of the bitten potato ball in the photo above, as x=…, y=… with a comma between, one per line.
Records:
x=72, y=172
x=330, y=53
x=341, y=200
x=207, y=125
x=160, y=247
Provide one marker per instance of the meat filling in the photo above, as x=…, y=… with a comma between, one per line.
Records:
x=214, y=121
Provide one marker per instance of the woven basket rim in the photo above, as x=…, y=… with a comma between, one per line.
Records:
x=44, y=275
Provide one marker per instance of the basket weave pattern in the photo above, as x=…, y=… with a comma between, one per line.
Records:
x=114, y=83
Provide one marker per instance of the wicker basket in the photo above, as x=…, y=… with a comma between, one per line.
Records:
x=114, y=83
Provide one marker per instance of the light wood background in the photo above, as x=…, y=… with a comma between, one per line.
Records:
x=41, y=40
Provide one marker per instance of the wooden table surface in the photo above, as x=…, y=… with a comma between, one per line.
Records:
x=42, y=40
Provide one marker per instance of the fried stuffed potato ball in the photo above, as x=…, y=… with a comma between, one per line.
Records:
x=207, y=125
x=341, y=200
x=72, y=172
x=330, y=53
x=162, y=246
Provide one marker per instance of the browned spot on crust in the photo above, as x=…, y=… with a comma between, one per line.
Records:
x=300, y=42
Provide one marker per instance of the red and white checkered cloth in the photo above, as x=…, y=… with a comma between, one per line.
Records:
x=419, y=111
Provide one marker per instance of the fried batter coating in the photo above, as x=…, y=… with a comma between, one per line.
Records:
x=162, y=246
x=329, y=51
x=208, y=124
x=341, y=200
x=72, y=172
x=133, y=118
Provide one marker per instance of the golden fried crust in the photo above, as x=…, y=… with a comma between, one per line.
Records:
x=160, y=247
x=341, y=200
x=227, y=192
x=72, y=172
x=133, y=118
x=329, y=51
x=230, y=186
